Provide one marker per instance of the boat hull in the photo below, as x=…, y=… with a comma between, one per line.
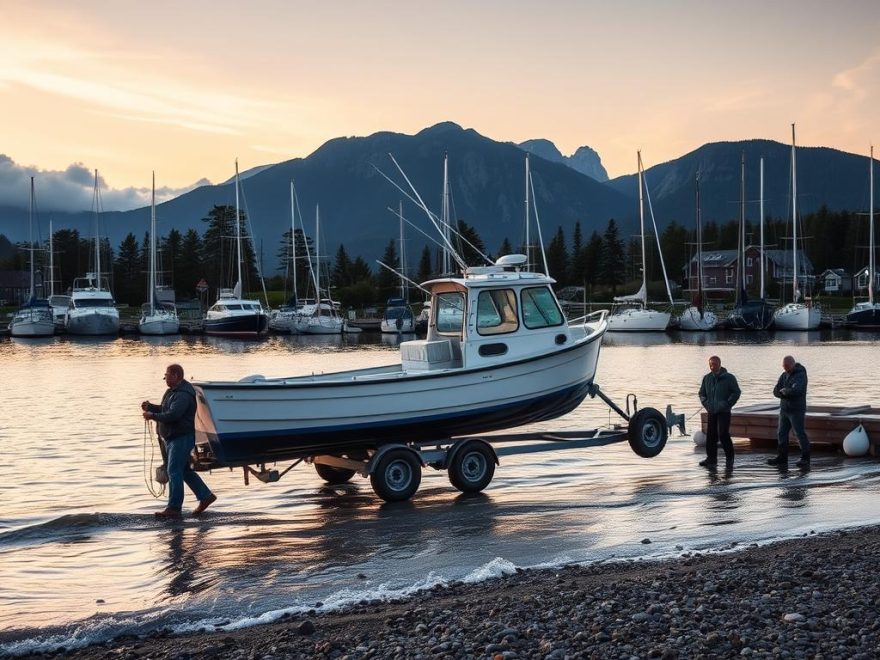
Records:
x=638, y=320
x=795, y=316
x=268, y=420
x=692, y=321
x=32, y=328
x=92, y=322
x=867, y=318
x=243, y=325
x=757, y=315
x=159, y=325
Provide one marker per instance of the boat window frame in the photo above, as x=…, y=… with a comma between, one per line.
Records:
x=508, y=318
x=439, y=297
x=541, y=313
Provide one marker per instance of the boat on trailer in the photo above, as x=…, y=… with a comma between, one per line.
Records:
x=499, y=354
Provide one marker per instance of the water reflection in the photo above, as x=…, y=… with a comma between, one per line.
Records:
x=183, y=567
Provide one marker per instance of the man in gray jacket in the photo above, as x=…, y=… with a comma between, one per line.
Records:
x=719, y=392
x=175, y=417
x=791, y=390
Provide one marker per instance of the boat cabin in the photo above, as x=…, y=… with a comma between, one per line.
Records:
x=491, y=314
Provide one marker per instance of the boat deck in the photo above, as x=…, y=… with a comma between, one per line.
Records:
x=825, y=424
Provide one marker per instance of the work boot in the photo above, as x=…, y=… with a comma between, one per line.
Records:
x=728, y=464
x=805, y=460
x=708, y=463
x=781, y=459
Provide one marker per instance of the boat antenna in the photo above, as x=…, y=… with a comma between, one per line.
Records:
x=794, y=267
x=403, y=277
x=761, y=211
x=871, y=230
x=656, y=233
x=444, y=213
x=528, y=216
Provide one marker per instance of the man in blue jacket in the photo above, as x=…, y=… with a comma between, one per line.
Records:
x=719, y=392
x=175, y=417
x=791, y=390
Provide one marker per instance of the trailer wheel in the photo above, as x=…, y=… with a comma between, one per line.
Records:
x=333, y=475
x=648, y=432
x=397, y=475
x=472, y=467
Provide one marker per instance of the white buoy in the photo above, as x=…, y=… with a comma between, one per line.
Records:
x=699, y=439
x=856, y=442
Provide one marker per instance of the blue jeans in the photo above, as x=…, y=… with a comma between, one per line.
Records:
x=180, y=472
x=787, y=422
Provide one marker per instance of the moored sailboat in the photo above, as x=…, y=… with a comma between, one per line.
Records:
x=156, y=319
x=865, y=314
x=697, y=317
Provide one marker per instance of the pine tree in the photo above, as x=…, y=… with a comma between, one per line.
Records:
x=612, y=260
x=387, y=281
x=425, y=271
x=557, y=258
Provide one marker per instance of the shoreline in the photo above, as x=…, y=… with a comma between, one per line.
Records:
x=812, y=596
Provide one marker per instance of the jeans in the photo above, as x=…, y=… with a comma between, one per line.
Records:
x=718, y=428
x=787, y=422
x=180, y=472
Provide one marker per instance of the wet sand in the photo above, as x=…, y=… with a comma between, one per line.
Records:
x=815, y=596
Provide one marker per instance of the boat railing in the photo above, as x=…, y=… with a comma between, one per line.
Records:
x=593, y=317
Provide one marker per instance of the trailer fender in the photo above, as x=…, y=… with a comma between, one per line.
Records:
x=384, y=449
x=450, y=455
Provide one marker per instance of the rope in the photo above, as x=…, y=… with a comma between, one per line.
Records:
x=148, y=463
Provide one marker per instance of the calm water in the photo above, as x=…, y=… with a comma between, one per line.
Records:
x=83, y=560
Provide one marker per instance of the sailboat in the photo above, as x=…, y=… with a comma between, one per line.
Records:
x=57, y=301
x=284, y=318
x=748, y=314
x=34, y=318
x=631, y=313
x=865, y=315
x=156, y=319
x=232, y=315
x=796, y=315
x=399, y=317
x=323, y=317
x=92, y=309
x=697, y=317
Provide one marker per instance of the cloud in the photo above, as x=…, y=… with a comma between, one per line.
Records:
x=73, y=189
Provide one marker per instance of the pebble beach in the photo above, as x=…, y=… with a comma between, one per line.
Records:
x=810, y=597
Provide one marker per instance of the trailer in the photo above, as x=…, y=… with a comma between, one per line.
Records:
x=395, y=469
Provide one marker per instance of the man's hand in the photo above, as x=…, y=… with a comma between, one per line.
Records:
x=145, y=405
x=148, y=415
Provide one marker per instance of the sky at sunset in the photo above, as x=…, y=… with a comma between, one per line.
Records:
x=185, y=87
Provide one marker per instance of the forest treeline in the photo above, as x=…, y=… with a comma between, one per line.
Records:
x=604, y=262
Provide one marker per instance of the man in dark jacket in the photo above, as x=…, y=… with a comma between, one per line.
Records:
x=175, y=417
x=719, y=392
x=791, y=390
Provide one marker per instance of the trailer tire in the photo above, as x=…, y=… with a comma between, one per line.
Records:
x=333, y=475
x=648, y=432
x=472, y=467
x=397, y=475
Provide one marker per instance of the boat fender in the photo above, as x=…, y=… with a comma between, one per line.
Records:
x=856, y=442
x=384, y=449
x=699, y=438
x=450, y=455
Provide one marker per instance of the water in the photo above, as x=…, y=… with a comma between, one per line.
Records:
x=82, y=559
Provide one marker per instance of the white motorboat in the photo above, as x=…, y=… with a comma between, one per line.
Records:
x=59, y=305
x=34, y=318
x=398, y=318
x=796, y=315
x=156, y=319
x=92, y=309
x=232, y=315
x=697, y=318
x=499, y=354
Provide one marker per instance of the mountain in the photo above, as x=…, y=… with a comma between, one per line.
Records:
x=585, y=160
x=486, y=182
x=826, y=176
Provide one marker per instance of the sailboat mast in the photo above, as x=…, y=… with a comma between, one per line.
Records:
x=97, y=238
x=528, y=246
x=51, y=261
x=761, y=211
x=153, y=249
x=642, y=227
x=699, y=242
x=293, y=237
x=794, y=266
x=444, y=212
x=742, y=220
x=871, y=230
x=402, y=251
x=237, y=228
x=31, y=235
x=318, y=257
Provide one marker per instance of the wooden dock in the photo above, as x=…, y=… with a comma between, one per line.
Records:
x=825, y=425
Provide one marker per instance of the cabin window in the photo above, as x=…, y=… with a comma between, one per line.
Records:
x=450, y=313
x=540, y=309
x=496, y=312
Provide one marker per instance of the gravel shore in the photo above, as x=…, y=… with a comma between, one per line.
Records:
x=811, y=597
